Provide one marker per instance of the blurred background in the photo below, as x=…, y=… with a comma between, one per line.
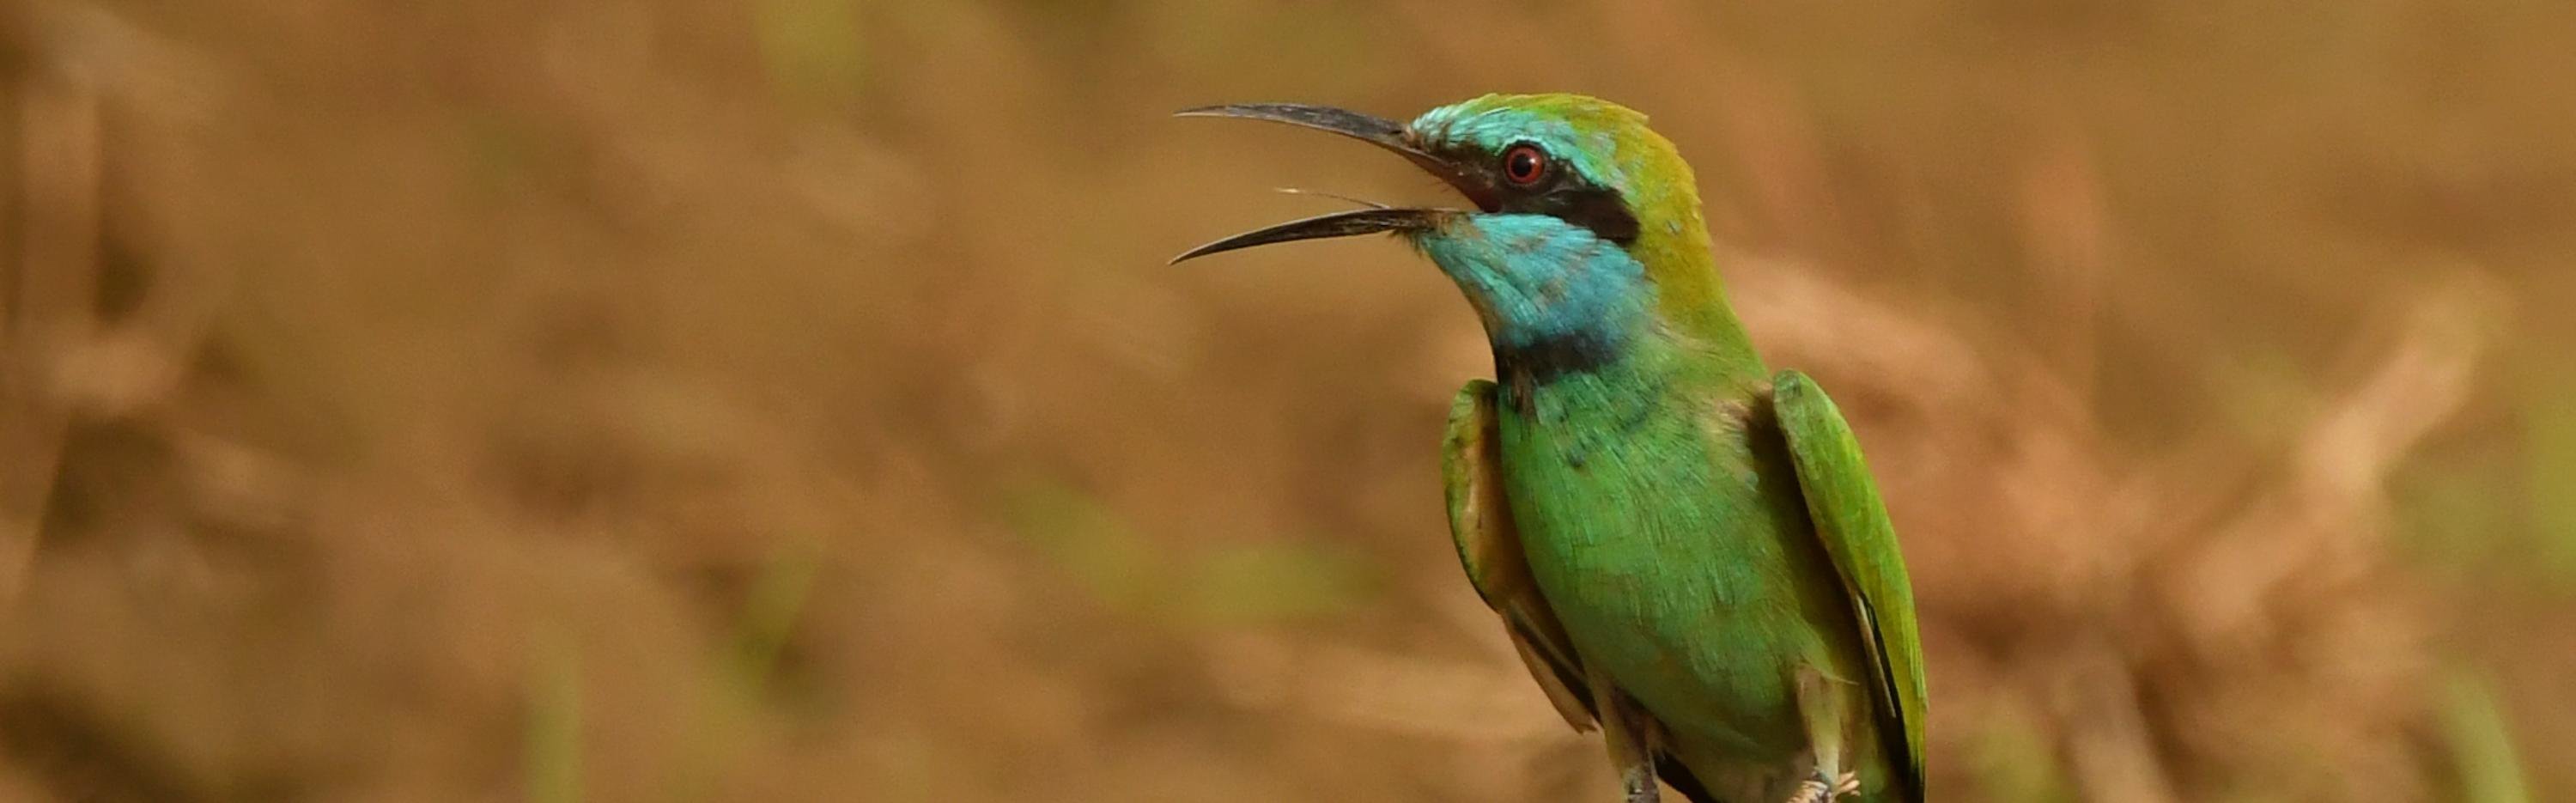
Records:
x=787, y=399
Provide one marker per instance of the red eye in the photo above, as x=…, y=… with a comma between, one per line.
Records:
x=1524, y=164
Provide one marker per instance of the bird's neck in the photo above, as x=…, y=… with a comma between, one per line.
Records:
x=1581, y=384
x=1691, y=306
x=1675, y=331
x=1558, y=301
x=1626, y=375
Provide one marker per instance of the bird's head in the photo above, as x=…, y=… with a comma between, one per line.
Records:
x=1585, y=224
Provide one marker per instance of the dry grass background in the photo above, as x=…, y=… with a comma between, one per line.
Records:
x=664, y=400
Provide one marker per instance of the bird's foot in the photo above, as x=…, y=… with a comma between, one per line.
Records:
x=1638, y=786
x=1816, y=790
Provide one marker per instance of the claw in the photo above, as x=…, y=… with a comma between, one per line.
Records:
x=1815, y=790
x=1638, y=786
x=1811, y=791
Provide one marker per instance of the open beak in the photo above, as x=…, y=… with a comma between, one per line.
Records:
x=1338, y=224
x=1377, y=131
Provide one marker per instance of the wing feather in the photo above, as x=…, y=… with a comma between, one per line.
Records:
x=1480, y=522
x=1852, y=522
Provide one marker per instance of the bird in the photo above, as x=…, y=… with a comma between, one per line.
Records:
x=1685, y=549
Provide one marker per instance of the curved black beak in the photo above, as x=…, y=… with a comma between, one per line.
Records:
x=1371, y=129
x=1338, y=224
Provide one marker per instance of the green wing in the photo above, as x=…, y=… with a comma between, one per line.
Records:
x=1844, y=504
x=1480, y=521
x=1489, y=546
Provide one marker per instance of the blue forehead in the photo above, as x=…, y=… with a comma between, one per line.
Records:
x=1494, y=122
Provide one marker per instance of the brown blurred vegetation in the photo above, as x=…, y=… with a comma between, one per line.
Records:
x=660, y=400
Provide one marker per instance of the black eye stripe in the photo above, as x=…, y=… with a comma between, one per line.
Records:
x=1557, y=192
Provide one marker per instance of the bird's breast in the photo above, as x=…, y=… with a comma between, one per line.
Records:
x=1669, y=551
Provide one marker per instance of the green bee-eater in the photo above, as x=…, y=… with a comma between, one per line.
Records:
x=1685, y=547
